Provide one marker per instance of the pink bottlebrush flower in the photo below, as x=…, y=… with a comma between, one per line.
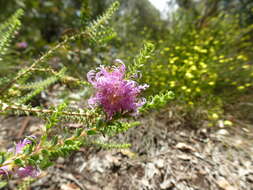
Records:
x=28, y=171
x=113, y=92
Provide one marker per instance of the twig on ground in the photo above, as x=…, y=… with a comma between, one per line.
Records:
x=72, y=178
x=24, y=126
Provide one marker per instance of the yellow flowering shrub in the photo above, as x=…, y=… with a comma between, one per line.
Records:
x=200, y=64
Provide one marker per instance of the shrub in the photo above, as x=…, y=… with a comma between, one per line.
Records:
x=117, y=97
x=202, y=65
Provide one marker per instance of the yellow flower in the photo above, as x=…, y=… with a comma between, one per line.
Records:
x=172, y=61
x=203, y=65
x=188, y=90
x=231, y=68
x=197, y=89
x=215, y=116
x=228, y=123
x=222, y=60
x=240, y=87
x=203, y=51
x=190, y=103
x=174, y=67
x=191, y=62
x=172, y=83
x=193, y=68
x=242, y=57
x=245, y=66
x=183, y=87
x=189, y=75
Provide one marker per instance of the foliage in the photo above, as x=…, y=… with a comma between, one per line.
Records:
x=202, y=53
x=201, y=64
x=17, y=91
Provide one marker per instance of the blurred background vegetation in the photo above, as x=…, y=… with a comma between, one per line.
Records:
x=203, y=48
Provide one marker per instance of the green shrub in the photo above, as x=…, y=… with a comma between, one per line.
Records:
x=203, y=64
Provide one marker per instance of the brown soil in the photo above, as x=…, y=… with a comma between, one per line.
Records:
x=165, y=154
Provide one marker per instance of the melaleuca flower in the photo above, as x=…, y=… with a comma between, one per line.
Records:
x=21, y=145
x=22, y=45
x=20, y=171
x=113, y=92
x=28, y=171
x=5, y=170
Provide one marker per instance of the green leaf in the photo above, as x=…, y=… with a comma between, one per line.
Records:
x=2, y=158
x=78, y=132
x=69, y=142
x=45, y=163
x=54, y=140
x=19, y=162
x=3, y=184
x=35, y=157
x=28, y=149
x=44, y=138
x=31, y=162
x=100, y=123
x=45, y=152
x=91, y=132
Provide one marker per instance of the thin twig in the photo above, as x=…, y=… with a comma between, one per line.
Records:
x=73, y=178
x=64, y=78
x=37, y=110
x=23, y=127
x=41, y=59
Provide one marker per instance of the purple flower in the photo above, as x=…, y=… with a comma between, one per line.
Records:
x=22, y=45
x=28, y=171
x=113, y=92
x=21, y=144
x=5, y=170
x=22, y=171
